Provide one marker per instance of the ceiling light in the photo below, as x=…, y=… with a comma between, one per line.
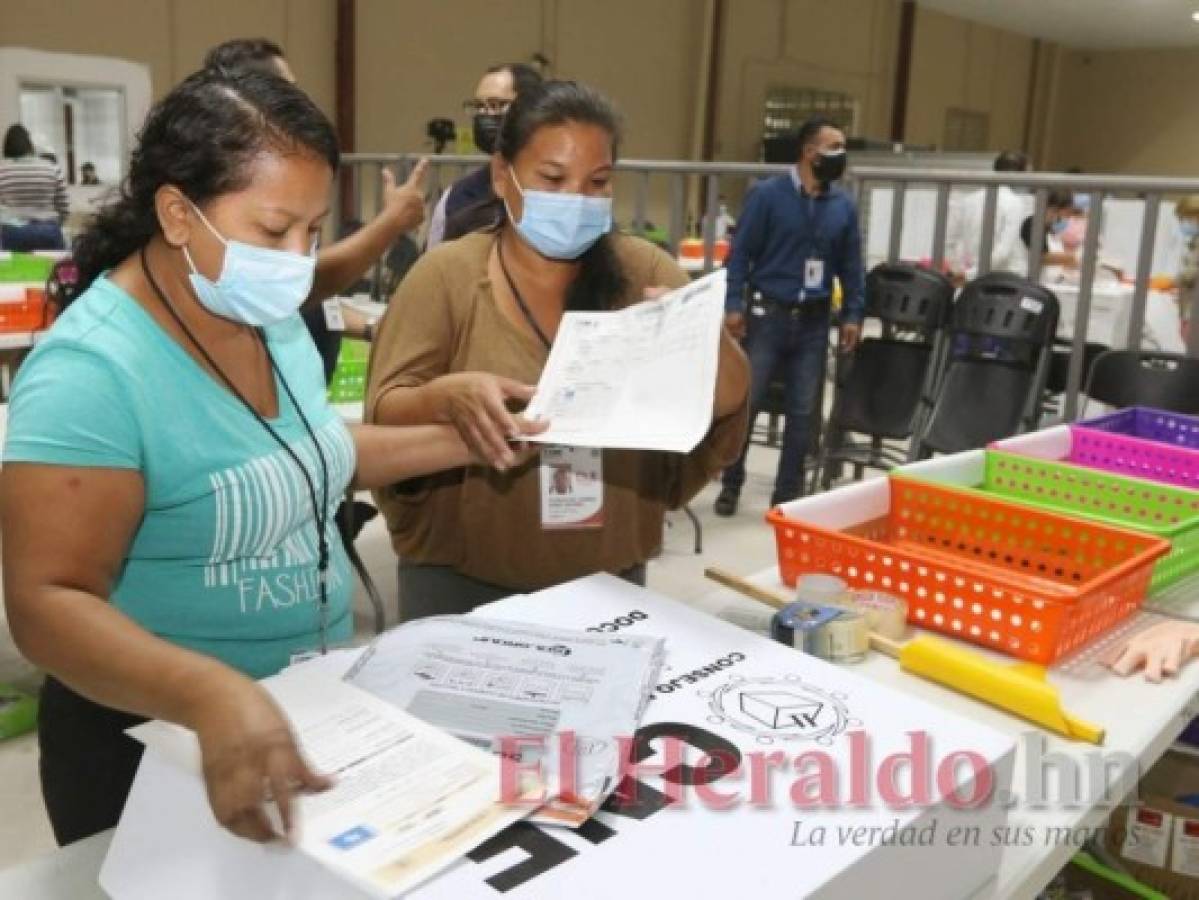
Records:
x=1195, y=16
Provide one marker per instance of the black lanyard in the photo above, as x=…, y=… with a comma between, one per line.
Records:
x=815, y=222
x=322, y=511
x=520, y=301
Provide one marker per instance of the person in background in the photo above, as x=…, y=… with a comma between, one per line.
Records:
x=33, y=197
x=462, y=204
x=475, y=319
x=171, y=463
x=796, y=234
x=1187, y=212
x=1059, y=207
x=1075, y=231
x=87, y=174
x=342, y=263
x=357, y=246
x=965, y=226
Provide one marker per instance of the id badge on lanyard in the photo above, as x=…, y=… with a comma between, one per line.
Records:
x=572, y=487
x=813, y=274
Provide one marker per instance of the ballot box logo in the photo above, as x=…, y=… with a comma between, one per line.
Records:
x=780, y=709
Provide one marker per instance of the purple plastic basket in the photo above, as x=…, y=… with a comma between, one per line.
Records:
x=1140, y=441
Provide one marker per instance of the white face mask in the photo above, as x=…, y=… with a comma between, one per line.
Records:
x=257, y=286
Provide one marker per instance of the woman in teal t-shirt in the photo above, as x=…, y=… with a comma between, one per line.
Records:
x=171, y=462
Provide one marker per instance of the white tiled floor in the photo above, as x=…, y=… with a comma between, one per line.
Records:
x=741, y=544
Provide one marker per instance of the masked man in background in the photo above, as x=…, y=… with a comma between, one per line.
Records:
x=454, y=215
x=797, y=233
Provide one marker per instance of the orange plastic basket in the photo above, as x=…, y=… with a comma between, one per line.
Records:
x=27, y=312
x=1030, y=583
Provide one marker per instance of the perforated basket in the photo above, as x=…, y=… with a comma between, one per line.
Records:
x=22, y=308
x=1161, y=510
x=25, y=267
x=348, y=384
x=1141, y=441
x=1030, y=583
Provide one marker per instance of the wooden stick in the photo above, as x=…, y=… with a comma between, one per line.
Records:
x=880, y=643
x=741, y=586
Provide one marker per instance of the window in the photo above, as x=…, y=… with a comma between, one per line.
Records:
x=787, y=108
x=966, y=130
x=78, y=125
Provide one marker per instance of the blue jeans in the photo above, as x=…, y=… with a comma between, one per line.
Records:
x=795, y=347
x=39, y=234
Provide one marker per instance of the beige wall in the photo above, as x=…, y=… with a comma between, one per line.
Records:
x=171, y=36
x=419, y=60
x=409, y=71
x=847, y=46
x=1127, y=112
x=963, y=64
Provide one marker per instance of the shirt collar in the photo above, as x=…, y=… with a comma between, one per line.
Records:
x=803, y=192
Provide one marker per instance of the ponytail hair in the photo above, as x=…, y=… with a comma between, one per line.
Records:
x=202, y=138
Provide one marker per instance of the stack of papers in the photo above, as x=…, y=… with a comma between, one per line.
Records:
x=408, y=800
x=485, y=681
x=642, y=378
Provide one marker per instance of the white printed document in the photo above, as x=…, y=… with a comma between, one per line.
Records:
x=641, y=378
x=488, y=682
x=407, y=800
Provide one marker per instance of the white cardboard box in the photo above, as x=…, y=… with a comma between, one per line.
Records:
x=722, y=688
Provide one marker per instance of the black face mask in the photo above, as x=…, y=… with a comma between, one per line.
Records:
x=487, y=131
x=828, y=167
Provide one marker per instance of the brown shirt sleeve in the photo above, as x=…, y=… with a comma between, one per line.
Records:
x=415, y=338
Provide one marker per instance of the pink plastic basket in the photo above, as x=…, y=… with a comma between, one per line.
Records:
x=1140, y=441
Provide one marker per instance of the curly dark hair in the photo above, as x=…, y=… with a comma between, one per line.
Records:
x=202, y=138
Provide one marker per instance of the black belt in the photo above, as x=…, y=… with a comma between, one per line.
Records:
x=816, y=308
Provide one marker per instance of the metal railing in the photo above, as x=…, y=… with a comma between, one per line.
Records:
x=704, y=180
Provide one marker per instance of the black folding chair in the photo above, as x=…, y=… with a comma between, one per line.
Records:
x=884, y=388
x=1059, y=370
x=1167, y=381
x=1000, y=342
x=1059, y=363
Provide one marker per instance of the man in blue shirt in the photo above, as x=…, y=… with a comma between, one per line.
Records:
x=797, y=232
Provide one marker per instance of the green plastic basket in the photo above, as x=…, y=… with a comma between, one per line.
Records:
x=18, y=711
x=1162, y=510
x=18, y=267
x=348, y=384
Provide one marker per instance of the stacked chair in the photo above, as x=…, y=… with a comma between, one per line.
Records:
x=1000, y=346
x=885, y=388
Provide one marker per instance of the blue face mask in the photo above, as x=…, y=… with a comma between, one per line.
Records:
x=1189, y=229
x=560, y=225
x=257, y=286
